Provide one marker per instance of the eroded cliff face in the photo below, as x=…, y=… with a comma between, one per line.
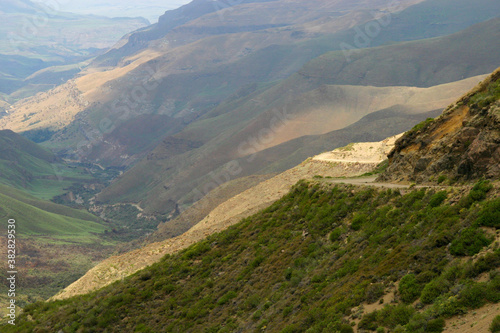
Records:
x=463, y=143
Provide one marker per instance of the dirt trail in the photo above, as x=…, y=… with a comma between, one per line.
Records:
x=368, y=181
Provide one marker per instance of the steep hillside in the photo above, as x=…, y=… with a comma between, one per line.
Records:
x=55, y=244
x=27, y=166
x=317, y=260
x=461, y=144
x=186, y=93
x=213, y=66
x=325, y=257
x=208, y=216
x=231, y=131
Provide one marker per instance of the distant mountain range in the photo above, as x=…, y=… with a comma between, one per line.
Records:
x=41, y=46
x=184, y=97
x=149, y=9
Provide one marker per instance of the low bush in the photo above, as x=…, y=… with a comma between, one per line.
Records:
x=409, y=288
x=438, y=198
x=490, y=214
x=357, y=221
x=469, y=242
x=346, y=328
x=495, y=325
x=433, y=290
x=374, y=292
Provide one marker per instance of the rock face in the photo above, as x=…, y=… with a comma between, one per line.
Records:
x=463, y=143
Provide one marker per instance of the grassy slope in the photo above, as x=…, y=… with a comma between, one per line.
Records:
x=55, y=244
x=27, y=166
x=305, y=264
x=38, y=217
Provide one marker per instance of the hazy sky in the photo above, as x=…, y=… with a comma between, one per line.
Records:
x=150, y=9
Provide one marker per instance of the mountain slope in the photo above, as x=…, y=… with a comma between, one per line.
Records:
x=311, y=261
x=461, y=144
x=412, y=63
x=55, y=244
x=347, y=162
x=317, y=259
x=216, y=65
x=232, y=124
x=165, y=176
x=27, y=166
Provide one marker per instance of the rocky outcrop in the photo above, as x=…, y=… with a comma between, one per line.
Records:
x=463, y=143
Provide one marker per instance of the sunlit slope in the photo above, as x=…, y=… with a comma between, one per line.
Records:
x=44, y=218
x=27, y=166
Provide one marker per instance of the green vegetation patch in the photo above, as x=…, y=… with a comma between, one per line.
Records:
x=485, y=98
x=300, y=266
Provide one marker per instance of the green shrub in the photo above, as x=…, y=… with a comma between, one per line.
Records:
x=422, y=125
x=485, y=98
x=409, y=289
x=470, y=241
x=477, y=193
x=433, y=290
x=490, y=214
x=473, y=295
x=369, y=321
x=419, y=323
x=435, y=325
x=373, y=292
x=256, y=315
x=495, y=325
x=346, y=328
x=441, y=179
x=335, y=234
x=480, y=189
x=493, y=288
x=438, y=198
x=227, y=297
x=357, y=221
x=392, y=316
x=287, y=310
